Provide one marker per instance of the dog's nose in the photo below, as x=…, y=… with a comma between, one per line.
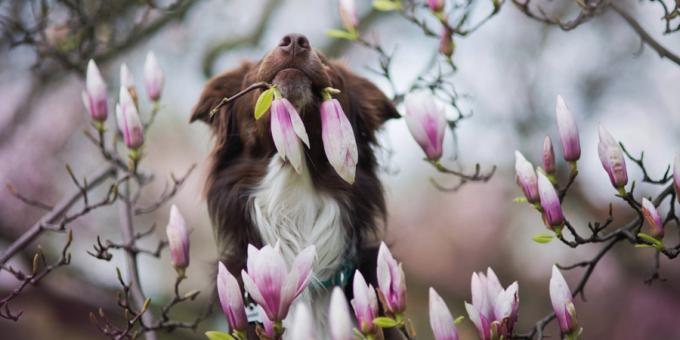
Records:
x=294, y=44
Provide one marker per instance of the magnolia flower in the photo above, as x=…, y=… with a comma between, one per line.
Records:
x=436, y=5
x=526, y=178
x=340, y=323
x=127, y=80
x=268, y=326
x=562, y=303
x=365, y=303
x=441, y=320
x=612, y=159
x=493, y=309
x=427, y=123
x=338, y=140
x=287, y=131
x=348, y=14
x=94, y=96
x=231, y=299
x=153, y=77
x=446, y=45
x=571, y=147
x=178, y=239
x=676, y=176
x=128, y=120
x=271, y=284
x=391, y=281
x=303, y=324
x=548, y=156
x=550, y=202
x=653, y=219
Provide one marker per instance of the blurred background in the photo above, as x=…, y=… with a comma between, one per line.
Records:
x=509, y=74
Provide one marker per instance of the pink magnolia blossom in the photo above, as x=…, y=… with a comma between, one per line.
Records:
x=95, y=97
x=348, y=14
x=231, y=299
x=653, y=219
x=128, y=120
x=550, y=202
x=436, y=5
x=611, y=156
x=561, y=299
x=548, y=156
x=391, y=281
x=339, y=320
x=566, y=125
x=269, y=281
x=365, y=303
x=441, y=321
x=153, y=77
x=427, y=123
x=288, y=131
x=526, y=178
x=178, y=238
x=303, y=324
x=338, y=140
x=493, y=310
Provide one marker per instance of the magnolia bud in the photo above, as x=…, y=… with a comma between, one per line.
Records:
x=128, y=120
x=653, y=219
x=427, y=123
x=391, y=281
x=436, y=5
x=178, y=239
x=348, y=14
x=562, y=303
x=441, y=321
x=526, y=178
x=153, y=77
x=571, y=147
x=612, y=159
x=548, y=156
x=550, y=202
x=231, y=299
x=340, y=322
x=94, y=96
x=127, y=80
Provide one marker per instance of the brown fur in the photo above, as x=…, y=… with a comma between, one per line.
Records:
x=243, y=148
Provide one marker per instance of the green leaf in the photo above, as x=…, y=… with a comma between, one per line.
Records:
x=521, y=199
x=386, y=5
x=385, y=322
x=215, y=335
x=655, y=243
x=459, y=320
x=543, y=238
x=264, y=101
x=340, y=34
x=639, y=245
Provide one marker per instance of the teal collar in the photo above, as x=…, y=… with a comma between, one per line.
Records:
x=341, y=277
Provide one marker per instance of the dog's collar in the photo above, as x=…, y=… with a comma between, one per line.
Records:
x=341, y=277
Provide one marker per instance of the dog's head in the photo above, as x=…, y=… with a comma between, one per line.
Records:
x=300, y=73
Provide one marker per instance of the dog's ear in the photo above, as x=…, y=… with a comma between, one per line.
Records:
x=224, y=85
x=372, y=104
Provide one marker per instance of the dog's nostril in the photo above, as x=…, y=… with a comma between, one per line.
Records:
x=285, y=41
x=293, y=43
x=303, y=42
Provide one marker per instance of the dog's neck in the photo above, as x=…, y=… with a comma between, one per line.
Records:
x=288, y=208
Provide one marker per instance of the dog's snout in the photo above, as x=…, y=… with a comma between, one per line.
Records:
x=294, y=44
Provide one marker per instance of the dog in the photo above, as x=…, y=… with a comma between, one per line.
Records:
x=255, y=197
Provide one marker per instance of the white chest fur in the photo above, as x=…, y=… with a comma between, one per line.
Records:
x=287, y=208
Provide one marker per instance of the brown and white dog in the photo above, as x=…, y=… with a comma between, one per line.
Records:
x=254, y=197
